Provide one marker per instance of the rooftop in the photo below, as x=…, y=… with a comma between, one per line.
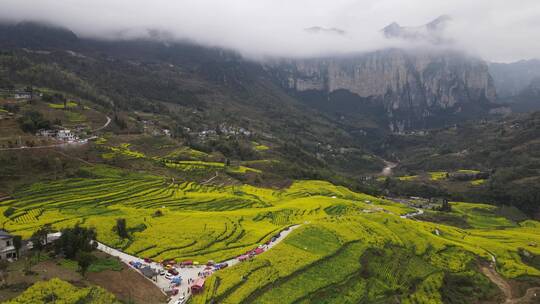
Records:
x=4, y=234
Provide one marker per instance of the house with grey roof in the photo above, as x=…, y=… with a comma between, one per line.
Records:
x=7, y=249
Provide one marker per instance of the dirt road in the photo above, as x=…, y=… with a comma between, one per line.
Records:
x=532, y=295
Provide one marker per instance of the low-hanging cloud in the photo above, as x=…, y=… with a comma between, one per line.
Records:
x=497, y=30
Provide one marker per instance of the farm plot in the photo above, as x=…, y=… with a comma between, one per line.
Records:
x=351, y=247
x=372, y=258
x=195, y=221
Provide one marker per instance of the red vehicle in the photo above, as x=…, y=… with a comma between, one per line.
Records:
x=186, y=263
x=147, y=260
x=243, y=258
x=168, y=262
x=173, y=271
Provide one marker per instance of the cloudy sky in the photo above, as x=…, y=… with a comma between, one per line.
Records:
x=497, y=30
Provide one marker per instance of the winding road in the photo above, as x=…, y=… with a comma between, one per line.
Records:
x=491, y=273
x=413, y=214
x=104, y=126
x=191, y=272
x=387, y=170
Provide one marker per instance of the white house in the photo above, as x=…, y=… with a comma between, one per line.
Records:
x=7, y=250
x=66, y=135
x=22, y=95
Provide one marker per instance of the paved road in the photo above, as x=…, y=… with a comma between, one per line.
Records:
x=413, y=214
x=104, y=126
x=387, y=170
x=185, y=272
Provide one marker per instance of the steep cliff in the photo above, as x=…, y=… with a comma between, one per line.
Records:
x=413, y=87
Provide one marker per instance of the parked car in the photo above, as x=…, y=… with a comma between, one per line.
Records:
x=221, y=266
x=169, y=276
x=173, y=271
x=161, y=272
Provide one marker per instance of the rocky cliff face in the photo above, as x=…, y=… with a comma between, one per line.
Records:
x=412, y=87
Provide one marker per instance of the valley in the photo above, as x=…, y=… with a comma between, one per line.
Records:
x=144, y=171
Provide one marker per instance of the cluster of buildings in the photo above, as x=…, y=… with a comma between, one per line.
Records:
x=150, y=127
x=223, y=129
x=64, y=135
x=16, y=94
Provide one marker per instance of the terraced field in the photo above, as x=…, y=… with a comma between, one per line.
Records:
x=191, y=167
x=350, y=248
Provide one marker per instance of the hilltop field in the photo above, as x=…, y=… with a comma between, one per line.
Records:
x=350, y=247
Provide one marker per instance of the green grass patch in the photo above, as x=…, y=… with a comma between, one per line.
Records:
x=102, y=264
x=58, y=291
x=408, y=178
x=478, y=182
x=69, y=104
x=438, y=175
x=468, y=171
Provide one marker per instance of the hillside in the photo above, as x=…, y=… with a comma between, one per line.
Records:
x=361, y=245
x=193, y=162
x=506, y=150
x=189, y=88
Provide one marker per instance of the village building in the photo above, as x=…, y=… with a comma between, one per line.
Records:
x=22, y=95
x=7, y=249
x=46, y=133
x=66, y=135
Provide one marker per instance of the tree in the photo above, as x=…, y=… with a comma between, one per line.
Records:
x=121, y=123
x=47, y=98
x=445, y=206
x=75, y=240
x=31, y=121
x=39, y=239
x=17, y=243
x=84, y=260
x=9, y=211
x=121, y=228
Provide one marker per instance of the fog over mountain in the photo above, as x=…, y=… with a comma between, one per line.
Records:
x=497, y=30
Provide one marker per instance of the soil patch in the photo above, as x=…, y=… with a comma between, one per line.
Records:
x=128, y=285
